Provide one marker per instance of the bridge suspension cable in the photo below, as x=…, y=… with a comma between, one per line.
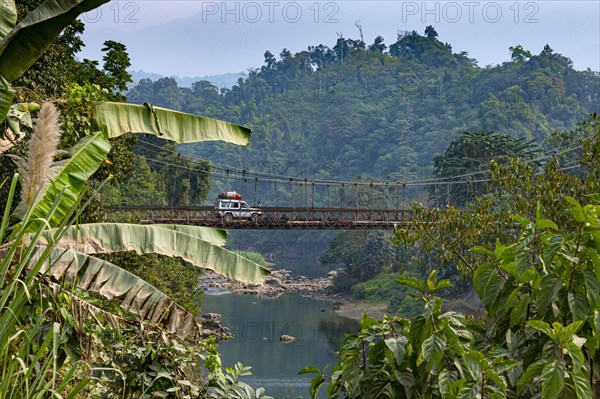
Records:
x=229, y=172
x=569, y=166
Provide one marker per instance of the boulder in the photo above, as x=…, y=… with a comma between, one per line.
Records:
x=211, y=317
x=275, y=282
x=286, y=339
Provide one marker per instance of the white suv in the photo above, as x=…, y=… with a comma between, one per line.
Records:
x=229, y=209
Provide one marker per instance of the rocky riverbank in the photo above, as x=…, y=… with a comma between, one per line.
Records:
x=281, y=281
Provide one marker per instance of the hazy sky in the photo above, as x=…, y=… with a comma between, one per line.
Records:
x=196, y=38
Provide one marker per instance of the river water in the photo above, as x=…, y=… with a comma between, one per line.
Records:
x=257, y=325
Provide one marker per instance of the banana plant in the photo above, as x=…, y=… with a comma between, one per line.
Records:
x=72, y=261
x=112, y=120
x=59, y=185
x=36, y=241
x=54, y=188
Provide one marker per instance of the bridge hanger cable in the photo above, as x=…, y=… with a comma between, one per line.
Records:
x=298, y=181
x=435, y=181
x=275, y=178
x=569, y=166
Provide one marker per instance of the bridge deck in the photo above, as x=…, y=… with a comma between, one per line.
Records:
x=272, y=218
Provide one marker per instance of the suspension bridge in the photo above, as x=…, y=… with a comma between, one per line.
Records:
x=272, y=218
x=312, y=203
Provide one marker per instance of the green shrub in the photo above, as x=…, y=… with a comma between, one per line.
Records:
x=540, y=336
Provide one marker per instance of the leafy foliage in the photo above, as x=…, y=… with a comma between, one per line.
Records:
x=444, y=236
x=540, y=335
x=227, y=385
x=538, y=282
x=360, y=255
x=140, y=187
x=116, y=61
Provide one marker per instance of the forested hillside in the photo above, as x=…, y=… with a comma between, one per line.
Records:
x=359, y=108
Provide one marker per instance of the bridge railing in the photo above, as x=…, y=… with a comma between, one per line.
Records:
x=272, y=218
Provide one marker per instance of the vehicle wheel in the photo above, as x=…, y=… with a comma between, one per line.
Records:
x=228, y=217
x=254, y=217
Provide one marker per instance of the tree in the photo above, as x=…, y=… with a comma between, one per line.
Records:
x=360, y=255
x=378, y=45
x=547, y=50
x=461, y=169
x=269, y=60
x=518, y=53
x=164, y=93
x=377, y=255
x=428, y=49
x=116, y=61
x=344, y=250
x=430, y=32
x=516, y=187
x=139, y=188
x=285, y=55
x=538, y=284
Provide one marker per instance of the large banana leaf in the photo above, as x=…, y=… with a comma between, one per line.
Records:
x=30, y=38
x=8, y=17
x=71, y=235
x=6, y=97
x=111, y=281
x=71, y=177
x=210, y=234
x=8, y=20
x=201, y=249
x=116, y=119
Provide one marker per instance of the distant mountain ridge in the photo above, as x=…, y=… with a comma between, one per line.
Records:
x=226, y=80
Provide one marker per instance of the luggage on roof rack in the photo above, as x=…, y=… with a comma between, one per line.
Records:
x=230, y=195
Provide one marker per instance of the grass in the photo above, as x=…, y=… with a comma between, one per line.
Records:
x=378, y=290
x=383, y=289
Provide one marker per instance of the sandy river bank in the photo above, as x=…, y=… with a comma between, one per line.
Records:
x=281, y=281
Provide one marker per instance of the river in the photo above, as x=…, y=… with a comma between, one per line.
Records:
x=257, y=325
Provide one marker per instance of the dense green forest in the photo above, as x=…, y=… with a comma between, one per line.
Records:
x=357, y=108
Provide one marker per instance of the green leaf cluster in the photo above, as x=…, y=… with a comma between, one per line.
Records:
x=540, y=334
x=535, y=265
